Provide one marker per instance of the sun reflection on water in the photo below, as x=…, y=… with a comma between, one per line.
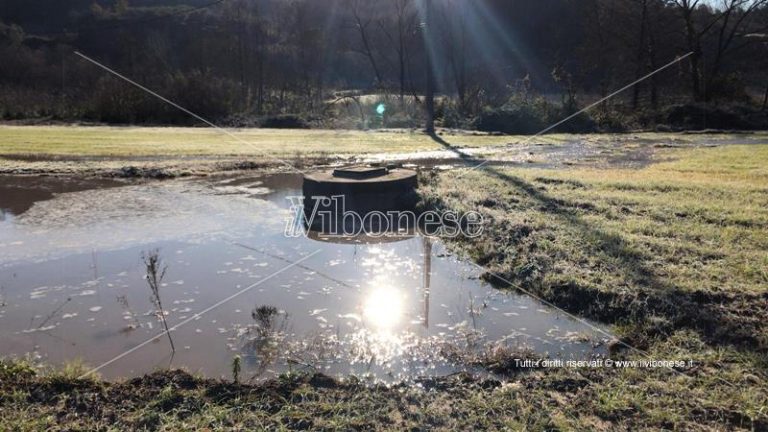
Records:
x=383, y=308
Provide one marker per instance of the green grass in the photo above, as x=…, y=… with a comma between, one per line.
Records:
x=106, y=151
x=106, y=141
x=698, y=223
x=674, y=255
x=169, y=141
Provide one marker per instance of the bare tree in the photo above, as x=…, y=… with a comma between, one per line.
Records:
x=642, y=49
x=693, y=40
x=601, y=58
x=455, y=39
x=728, y=21
x=428, y=53
x=361, y=24
x=765, y=95
x=405, y=22
x=733, y=24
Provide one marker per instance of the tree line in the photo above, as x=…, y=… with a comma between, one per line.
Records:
x=332, y=62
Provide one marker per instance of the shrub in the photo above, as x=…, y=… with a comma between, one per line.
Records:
x=114, y=101
x=530, y=117
x=510, y=120
x=284, y=121
x=699, y=116
x=451, y=115
x=582, y=123
x=403, y=120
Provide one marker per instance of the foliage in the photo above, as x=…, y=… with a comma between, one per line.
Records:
x=521, y=116
x=251, y=62
x=700, y=116
x=284, y=121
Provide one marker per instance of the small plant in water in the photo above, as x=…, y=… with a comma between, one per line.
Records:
x=264, y=315
x=123, y=302
x=260, y=341
x=155, y=273
x=236, y=366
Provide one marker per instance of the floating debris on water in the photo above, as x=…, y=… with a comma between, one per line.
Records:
x=372, y=314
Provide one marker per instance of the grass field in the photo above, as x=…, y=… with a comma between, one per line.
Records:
x=105, y=141
x=675, y=255
x=169, y=152
x=679, y=244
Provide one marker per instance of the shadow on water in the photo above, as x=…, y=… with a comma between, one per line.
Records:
x=19, y=193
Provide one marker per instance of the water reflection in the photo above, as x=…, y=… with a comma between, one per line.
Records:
x=383, y=307
x=394, y=310
x=260, y=342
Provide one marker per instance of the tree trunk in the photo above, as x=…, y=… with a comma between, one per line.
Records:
x=366, y=44
x=402, y=78
x=694, y=45
x=430, y=93
x=654, y=79
x=260, y=83
x=401, y=31
x=641, y=52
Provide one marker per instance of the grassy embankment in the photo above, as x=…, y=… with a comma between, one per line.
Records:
x=680, y=243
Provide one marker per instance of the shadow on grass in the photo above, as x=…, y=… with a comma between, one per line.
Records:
x=466, y=157
x=720, y=318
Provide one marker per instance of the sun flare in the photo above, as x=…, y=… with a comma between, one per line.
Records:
x=383, y=308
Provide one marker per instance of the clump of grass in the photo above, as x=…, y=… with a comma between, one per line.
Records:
x=74, y=369
x=16, y=369
x=156, y=269
x=260, y=341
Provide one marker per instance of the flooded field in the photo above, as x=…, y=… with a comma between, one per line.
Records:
x=72, y=287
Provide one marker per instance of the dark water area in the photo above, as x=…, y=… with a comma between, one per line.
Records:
x=19, y=193
x=72, y=287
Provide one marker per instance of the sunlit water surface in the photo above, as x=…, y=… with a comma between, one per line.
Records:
x=72, y=287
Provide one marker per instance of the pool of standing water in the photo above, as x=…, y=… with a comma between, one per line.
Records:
x=72, y=286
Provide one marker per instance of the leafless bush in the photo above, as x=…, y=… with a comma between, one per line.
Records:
x=156, y=269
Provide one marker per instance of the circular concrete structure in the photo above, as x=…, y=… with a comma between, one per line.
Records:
x=359, y=189
x=360, y=180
